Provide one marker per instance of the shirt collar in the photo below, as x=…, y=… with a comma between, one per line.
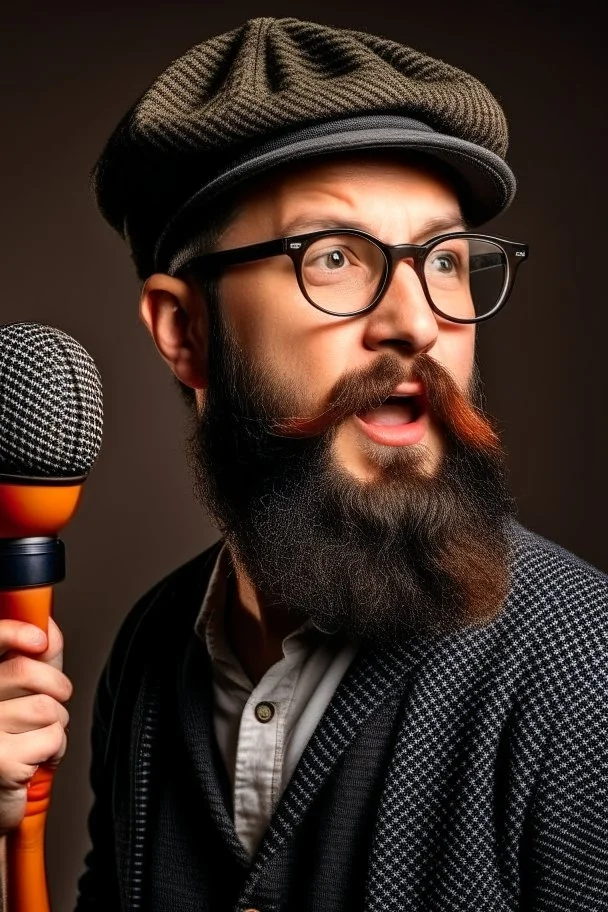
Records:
x=209, y=624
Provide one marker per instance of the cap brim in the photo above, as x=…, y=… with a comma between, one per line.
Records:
x=486, y=183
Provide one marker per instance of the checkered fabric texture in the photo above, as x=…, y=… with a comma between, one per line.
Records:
x=494, y=791
x=50, y=403
x=496, y=794
x=235, y=90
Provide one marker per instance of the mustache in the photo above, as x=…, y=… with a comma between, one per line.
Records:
x=367, y=388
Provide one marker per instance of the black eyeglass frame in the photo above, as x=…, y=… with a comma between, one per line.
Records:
x=295, y=248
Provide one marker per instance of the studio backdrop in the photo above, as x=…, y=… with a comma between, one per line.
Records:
x=69, y=74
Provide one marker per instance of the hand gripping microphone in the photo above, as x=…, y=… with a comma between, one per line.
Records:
x=50, y=435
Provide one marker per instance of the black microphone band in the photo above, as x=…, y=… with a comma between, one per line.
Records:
x=43, y=481
x=29, y=562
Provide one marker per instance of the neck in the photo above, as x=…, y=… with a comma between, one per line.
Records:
x=254, y=630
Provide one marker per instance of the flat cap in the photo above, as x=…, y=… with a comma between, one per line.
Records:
x=279, y=90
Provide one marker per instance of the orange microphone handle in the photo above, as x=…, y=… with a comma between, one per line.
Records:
x=32, y=511
x=34, y=605
x=26, y=869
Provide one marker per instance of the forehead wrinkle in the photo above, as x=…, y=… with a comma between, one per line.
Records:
x=387, y=201
x=309, y=201
x=372, y=197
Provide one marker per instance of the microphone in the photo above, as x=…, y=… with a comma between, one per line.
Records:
x=51, y=417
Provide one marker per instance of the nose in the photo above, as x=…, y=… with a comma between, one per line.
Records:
x=403, y=318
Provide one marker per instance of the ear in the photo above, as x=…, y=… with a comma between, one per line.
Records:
x=175, y=314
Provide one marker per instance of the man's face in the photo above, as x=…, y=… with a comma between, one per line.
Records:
x=381, y=519
x=305, y=352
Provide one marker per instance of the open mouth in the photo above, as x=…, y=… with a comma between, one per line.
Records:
x=400, y=420
x=395, y=410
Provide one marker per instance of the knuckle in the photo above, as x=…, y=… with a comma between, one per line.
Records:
x=13, y=771
x=58, y=635
x=55, y=631
x=23, y=773
x=44, y=708
x=19, y=668
x=58, y=740
x=67, y=688
x=26, y=774
x=15, y=666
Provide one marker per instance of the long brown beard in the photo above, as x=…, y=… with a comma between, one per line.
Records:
x=408, y=553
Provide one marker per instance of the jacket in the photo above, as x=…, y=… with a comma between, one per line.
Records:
x=493, y=788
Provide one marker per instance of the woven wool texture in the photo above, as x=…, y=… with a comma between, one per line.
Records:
x=50, y=402
x=494, y=792
x=268, y=76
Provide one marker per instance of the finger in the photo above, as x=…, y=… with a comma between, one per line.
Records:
x=21, y=637
x=46, y=745
x=22, y=676
x=31, y=713
x=53, y=655
x=19, y=754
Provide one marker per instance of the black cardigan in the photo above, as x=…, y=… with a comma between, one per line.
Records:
x=469, y=773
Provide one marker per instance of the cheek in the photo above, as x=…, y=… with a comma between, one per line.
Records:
x=455, y=350
x=281, y=332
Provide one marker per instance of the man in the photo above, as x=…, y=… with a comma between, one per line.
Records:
x=377, y=691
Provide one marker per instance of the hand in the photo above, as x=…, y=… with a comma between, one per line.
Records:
x=33, y=720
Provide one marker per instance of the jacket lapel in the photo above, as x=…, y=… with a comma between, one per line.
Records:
x=373, y=678
x=195, y=708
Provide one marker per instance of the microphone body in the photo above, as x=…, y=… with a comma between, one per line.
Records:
x=32, y=560
x=50, y=434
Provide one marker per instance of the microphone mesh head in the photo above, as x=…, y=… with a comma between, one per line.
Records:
x=50, y=403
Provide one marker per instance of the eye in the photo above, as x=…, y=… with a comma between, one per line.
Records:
x=444, y=263
x=341, y=260
x=324, y=259
x=334, y=259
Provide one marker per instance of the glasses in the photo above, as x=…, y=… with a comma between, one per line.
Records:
x=466, y=277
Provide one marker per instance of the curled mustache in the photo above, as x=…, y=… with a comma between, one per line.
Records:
x=362, y=390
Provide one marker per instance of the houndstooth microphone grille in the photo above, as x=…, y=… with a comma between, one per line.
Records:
x=51, y=408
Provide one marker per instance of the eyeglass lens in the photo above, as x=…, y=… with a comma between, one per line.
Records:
x=465, y=277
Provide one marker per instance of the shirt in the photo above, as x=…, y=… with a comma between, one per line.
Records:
x=262, y=731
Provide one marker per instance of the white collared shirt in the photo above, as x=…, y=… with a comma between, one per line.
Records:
x=262, y=731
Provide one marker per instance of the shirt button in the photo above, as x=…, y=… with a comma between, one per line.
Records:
x=263, y=713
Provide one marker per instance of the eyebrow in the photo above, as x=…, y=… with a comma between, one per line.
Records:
x=453, y=221
x=440, y=224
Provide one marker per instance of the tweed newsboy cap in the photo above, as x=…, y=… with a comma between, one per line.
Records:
x=281, y=90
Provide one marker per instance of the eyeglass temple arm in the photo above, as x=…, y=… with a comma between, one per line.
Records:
x=222, y=258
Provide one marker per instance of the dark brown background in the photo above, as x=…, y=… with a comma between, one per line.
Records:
x=69, y=73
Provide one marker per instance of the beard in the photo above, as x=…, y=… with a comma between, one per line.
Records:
x=404, y=554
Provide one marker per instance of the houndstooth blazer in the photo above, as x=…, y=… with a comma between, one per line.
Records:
x=495, y=792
